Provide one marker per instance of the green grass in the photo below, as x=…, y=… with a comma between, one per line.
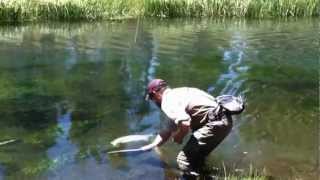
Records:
x=35, y=10
x=252, y=174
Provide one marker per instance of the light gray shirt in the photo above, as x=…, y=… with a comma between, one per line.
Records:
x=187, y=104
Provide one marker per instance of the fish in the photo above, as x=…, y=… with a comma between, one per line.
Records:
x=125, y=151
x=131, y=138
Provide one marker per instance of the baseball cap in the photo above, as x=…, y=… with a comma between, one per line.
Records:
x=154, y=86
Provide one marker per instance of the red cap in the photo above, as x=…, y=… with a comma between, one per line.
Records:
x=154, y=86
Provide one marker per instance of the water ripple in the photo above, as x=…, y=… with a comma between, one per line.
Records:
x=234, y=57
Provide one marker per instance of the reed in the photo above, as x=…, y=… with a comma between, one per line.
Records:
x=34, y=10
x=232, y=8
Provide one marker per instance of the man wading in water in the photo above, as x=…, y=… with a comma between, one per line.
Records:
x=189, y=108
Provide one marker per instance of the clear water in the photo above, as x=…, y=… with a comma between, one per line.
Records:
x=67, y=90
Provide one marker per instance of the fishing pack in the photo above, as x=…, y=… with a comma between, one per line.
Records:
x=233, y=104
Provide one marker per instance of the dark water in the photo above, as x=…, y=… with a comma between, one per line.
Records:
x=67, y=90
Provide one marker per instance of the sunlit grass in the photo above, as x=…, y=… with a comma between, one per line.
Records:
x=231, y=8
x=30, y=10
x=252, y=174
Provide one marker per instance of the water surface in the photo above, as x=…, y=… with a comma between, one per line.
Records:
x=67, y=90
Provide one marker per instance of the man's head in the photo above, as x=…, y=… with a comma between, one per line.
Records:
x=155, y=89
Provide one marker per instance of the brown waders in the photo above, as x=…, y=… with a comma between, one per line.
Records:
x=203, y=140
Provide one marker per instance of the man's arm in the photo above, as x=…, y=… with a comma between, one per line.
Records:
x=160, y=139
x=182, y=131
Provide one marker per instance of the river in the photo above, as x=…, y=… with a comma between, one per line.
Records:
x=68, y=89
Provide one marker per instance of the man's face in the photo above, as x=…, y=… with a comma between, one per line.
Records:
x=156, y=98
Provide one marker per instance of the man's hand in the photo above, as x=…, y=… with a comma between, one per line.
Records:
x=148, y=147
x=156, y=142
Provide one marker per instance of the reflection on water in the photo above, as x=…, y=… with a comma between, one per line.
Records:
x=234, y=57
x=151, y=120
x=101, y=70
x=1, y=173
x=63, y=150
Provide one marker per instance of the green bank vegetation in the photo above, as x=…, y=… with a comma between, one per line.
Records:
x=232, y=173
x=35, y=10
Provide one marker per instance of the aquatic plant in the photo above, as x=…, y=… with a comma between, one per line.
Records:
x=31, y=10
x=251, y=174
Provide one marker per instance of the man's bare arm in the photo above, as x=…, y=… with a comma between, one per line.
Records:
x=182, y=131
x=160, y=139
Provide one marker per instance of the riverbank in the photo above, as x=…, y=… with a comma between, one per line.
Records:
x=65, y=10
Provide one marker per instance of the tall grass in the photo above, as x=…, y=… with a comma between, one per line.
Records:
x=30, y=10
x=232, y=8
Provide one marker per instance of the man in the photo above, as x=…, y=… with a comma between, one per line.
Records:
x=194, y=109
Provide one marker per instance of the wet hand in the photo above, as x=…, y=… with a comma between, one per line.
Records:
x=148, y=147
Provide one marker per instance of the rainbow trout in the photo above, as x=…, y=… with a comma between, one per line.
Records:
x=131, y=138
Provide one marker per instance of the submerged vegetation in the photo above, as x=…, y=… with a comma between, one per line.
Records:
x=32, y=10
